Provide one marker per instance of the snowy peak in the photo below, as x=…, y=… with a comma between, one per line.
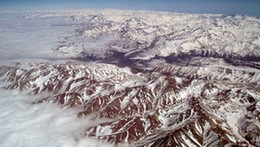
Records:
x=152, y=107
x=150, y=78
x=145, y=36
x=97, y=19
x=135, y=22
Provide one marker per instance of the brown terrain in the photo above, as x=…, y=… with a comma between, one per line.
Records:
x=167, y=106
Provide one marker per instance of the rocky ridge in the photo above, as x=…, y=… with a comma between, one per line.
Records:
x=155, y=79
x=165, y=106
x=145, y=36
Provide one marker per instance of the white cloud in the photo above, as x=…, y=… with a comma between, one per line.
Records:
x=23, y=124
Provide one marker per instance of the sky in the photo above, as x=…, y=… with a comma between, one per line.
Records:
x=245, y=7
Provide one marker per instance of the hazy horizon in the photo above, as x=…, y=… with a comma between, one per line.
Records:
x=243, y=7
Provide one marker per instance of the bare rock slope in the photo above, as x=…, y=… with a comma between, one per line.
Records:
x=160, y=107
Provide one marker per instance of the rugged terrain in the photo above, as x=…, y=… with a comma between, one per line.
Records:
x=135, y=38
x=153, y=79
x=168, y=105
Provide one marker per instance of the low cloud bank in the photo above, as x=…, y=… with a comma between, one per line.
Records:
x=41, y=125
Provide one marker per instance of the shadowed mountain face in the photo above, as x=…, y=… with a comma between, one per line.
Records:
x=160, y=79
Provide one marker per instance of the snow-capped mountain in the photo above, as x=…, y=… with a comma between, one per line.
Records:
x=168, y=105
x=155, y=79
x=147, y=35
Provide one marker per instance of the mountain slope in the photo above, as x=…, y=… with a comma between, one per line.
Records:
x=147, y=78
x=147, y=35
x=151, y=107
